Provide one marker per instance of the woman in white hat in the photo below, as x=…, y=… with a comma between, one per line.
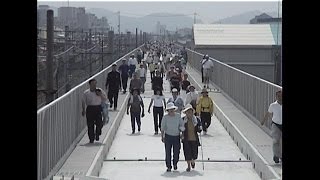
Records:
x=192, y=96
x=176, y=99
x=190, y=136
x=171, y=127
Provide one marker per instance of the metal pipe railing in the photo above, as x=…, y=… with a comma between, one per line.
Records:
x=60, y=123
x=252, y=93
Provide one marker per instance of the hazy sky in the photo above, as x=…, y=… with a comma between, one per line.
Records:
x=207, y=11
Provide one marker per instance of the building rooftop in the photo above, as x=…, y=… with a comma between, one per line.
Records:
x=233, y=34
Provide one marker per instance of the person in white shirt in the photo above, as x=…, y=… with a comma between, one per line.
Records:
x=142, y=73
x=149, y=59
x=159, y=102
x=192, y=96
x=275, y=111
x=91, y=108
x=207, y=66
x=132, y=63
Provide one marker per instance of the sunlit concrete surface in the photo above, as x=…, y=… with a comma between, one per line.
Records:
x=143, y=170
x=127, y=148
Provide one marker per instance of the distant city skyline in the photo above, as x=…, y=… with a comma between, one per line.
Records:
x=206, y=11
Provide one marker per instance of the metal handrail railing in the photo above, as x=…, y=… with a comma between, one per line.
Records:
x=60, y=123
x=251, y=93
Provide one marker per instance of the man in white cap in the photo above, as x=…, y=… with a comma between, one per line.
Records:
x=171, y=127
x=177, y=100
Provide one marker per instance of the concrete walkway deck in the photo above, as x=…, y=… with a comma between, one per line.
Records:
x=217, y=145
x=259, y=138
x=127, y=148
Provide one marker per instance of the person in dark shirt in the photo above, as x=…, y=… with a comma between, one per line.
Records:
x=157, y=82
x=124, y=71
x=113, y=85
x=175, y=82
x=185, y=83
x=135, y=103
x=178, y=66
x=184, y=54
x=135, y=83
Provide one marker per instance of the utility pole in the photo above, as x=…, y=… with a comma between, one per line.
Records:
x=50, y=92
x=194, y=18
x=119, y=34
x=136, y=37
x=90, y=61
x=86, y=48
x=102, y=52
x=66, y=43
x=140, y=38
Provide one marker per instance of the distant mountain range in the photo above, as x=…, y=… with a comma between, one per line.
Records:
x=172, y=21
x=147, y=23
x=244, y=18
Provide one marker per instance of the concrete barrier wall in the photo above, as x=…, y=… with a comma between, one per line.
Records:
x=97, y=163
x=260, y=165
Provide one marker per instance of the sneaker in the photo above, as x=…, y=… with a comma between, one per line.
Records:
x=276, y=159
x=175, y=167
x=169, y=170
x=97, y=138
x=139, y=129
x=91, y=141
x=155, y=133
x=110, y=105
x=133, y=132
x=188, y=169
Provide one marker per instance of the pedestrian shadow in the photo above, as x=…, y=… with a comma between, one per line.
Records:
x=192, y=173
x=171, y=174
x=135, y=134
x=156, y=136
x=207, y=135
x=92, y=144
x=174, y=174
